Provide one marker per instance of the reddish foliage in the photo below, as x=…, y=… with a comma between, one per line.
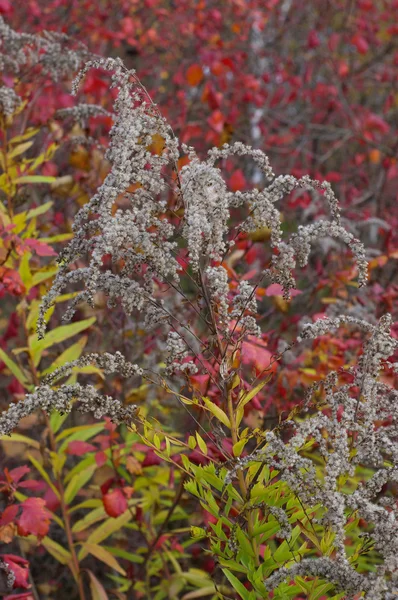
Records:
x=115, y=502
x=35, y=518
x=20, y=568
x=79, y=448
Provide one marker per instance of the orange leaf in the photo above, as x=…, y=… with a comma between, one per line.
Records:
x=194, y=75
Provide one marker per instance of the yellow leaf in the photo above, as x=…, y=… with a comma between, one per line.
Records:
x=62, y=555
x=15, y=370
x=21, y=439
x=201, y=443
x=29, y=133
x=96, y=589
x=105, y=557
x=238, y=447
x=217, y=412
x=192, y=442
x=19, y=149
x=106, y=529
x=250, y=395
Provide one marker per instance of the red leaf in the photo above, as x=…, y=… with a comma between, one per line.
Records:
x=31, y=484
x=194, y=75
x=275, y=289
x=115, y=503
x=5, y=7
x=313, y=39
x=35, y=518
x=100, y=458
x=78, y=448
x=17, y=474
x=40, y=248
x=360, y=43
x=9, y=515
x=24, y=596
x=151, y=459
x=20, y=567
x=51, y=499
x=254, y=353
x=237, y=181
x=376, y=123
x=11, y=281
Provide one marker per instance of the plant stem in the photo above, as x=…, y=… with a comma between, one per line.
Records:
x=240, y=475
x=74, y=564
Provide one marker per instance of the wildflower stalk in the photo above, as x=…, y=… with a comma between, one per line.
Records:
x=74, y=564
x=240, y=475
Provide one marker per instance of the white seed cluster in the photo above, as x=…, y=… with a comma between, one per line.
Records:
x=9, y=573
x=140, y=236
x=9, y=101
x=177, y=351
x=86, y=398
x=244, y=308
x=81, y=113
x=142, y=239
x=206, y=211
x=47, y=399
x=351, y=436
x=50, y=50
x=218, y=285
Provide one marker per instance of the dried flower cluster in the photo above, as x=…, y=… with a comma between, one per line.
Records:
x=142, y=240
x=50, y=50
x=358, y=426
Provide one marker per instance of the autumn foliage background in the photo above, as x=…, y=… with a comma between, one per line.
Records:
x=314, y=85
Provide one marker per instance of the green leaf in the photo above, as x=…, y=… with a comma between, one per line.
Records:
x=236, y=584
x=82, y=433
x=106, y=529
x=191, y=442
x=35, y=212
x=56, y=336
x=77, y=482
x=44, y=474
x=238, y=447
x=71, y=353
x=98, y=514
x=24, y=270
x=57, y=420
x=132, y=557
x=15, y=370
x=35, y=179
x=43, y=274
